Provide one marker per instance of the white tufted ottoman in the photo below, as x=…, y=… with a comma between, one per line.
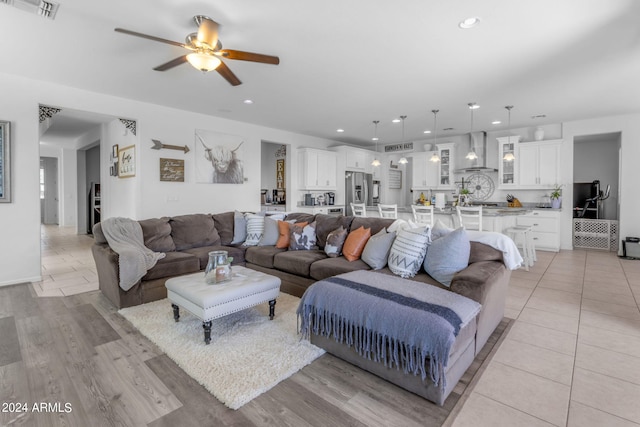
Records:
x=247, y=288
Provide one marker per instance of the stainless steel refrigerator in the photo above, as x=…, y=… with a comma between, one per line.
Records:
x=358, y=187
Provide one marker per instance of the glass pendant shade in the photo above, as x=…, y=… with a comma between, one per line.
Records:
x=509, y=157
x=471, y=155
x=403, y=160
x=203, y=62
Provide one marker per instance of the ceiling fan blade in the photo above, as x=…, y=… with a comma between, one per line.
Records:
x=249, y=56
x=173, y=63
x=225, y=72
x=146, y=36
x=208, y=32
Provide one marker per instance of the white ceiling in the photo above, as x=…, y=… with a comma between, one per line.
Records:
x=347, y=63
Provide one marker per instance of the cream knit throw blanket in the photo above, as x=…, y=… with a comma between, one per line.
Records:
x=124, y=236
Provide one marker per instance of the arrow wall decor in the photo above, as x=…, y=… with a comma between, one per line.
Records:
x=157, y=145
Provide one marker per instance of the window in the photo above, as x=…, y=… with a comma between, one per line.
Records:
x=41, y=181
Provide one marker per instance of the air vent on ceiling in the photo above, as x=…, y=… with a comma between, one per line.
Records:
x=44, y=8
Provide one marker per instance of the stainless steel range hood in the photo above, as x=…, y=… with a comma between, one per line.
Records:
x=477, y=142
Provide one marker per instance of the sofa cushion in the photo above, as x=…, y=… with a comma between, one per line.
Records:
x=376, y=251
x=302, y=238
x=173, y=264
x=192, y=231
x=298, y=262
x=481, y=252
x=327, y=223
x=224, y=223
x=375, y=224
x=262, y=255
x=448, y=255
x=202, y=253
x=354, y=245
x=332, y=266
x=157, y=234
x=408, y=251
x=335, y=242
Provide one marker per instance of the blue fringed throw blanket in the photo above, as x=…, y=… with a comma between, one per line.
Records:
x=391, y=320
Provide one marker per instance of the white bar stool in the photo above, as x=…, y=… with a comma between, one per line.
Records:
x=522, y=236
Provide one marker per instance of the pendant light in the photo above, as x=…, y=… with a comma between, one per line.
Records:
x=403, y=160
x=375, y=162
x=508, y=156
x=471, y=155
x=435, y=158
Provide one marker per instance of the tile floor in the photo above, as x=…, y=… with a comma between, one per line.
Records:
x=67, y=264
x=571, y=358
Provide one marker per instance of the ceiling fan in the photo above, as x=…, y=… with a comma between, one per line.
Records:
x=206, y=50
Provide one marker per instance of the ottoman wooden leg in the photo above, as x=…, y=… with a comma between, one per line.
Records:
x=272, y=309
x=176, y=312
x=207, y=331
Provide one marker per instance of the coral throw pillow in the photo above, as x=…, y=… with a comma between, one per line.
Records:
x=355, y=243
x=283, y=230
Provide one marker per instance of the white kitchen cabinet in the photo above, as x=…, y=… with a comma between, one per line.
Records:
x=317, y=169
x=425, y=172
x=539, y=164
x=508, y=169
x=356, y=160
x=545, y=225
x=446, y=165
x=326, y=210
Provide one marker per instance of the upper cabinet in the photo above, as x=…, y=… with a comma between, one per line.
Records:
x=446, y=165
x=508, y=168
x=357, y=160
x=317, y=169
x=536, y=164
x=539, y=165
x=425, y=173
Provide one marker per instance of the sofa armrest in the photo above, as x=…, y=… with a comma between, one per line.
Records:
x=108, y=271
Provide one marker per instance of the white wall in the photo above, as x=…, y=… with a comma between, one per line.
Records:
x=143, y=196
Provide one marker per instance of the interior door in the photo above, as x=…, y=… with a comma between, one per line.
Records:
x=50, y=199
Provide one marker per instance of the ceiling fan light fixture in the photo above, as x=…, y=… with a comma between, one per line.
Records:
x=203, y=62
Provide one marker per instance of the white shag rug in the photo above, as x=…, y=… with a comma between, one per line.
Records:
x=248, y=354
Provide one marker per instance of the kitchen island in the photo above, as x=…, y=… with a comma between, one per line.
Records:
x=545, y=222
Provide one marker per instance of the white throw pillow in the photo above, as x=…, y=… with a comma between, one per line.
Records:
x=255, y=228
x=408, y=251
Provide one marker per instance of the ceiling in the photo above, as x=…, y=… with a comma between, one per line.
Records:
x=345, y=64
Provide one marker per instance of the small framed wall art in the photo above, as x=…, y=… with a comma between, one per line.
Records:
x=127, y=162
x=5, y=162
x=172, y=170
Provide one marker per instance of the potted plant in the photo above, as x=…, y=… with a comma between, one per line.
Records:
x=556, y=197
x=463, y=197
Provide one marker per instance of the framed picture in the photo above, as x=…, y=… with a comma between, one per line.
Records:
x=114, y=152
x=219, y=158
x=172, y=170
x=127, y=162
x=5, y=162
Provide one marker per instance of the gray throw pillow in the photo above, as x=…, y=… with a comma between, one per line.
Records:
x=439, y=230
x=335, y=241
x=376, y=251
x=302, y=239
x=239, y=228
x=271, y=233
x=448, y=255
x=408, y=251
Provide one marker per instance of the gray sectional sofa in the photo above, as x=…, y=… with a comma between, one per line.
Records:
x=188, y=239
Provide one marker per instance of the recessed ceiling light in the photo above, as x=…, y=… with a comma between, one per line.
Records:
x=465, y=24
x=248, y=101
x=339, y=130
x=375, y=139
x=427, y=131
x=496, y=122
x=396, y=121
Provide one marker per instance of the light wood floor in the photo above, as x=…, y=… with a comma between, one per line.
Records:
x=572, y=358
